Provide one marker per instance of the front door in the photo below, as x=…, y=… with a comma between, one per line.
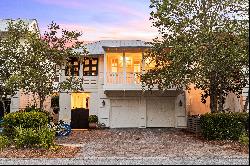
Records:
x=79, y=118
x=79, y=110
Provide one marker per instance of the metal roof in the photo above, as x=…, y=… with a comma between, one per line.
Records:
x=4, y=23
x=96, y=48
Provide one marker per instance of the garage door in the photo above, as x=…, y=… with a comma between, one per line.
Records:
x=161, y=112
x=124, y=113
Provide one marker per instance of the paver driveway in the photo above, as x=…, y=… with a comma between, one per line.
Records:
x=150, y=142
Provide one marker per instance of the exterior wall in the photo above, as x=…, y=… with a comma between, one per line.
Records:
x=22, y=100
x=195, y=107
x=180, y=111
x=14, y=105
x=65, y=107
x=193, y=102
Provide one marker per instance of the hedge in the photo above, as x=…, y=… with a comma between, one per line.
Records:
x=223, y=126
x=31, y=119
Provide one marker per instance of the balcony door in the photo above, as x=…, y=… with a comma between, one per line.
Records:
x=115, y=68
x=133, y=67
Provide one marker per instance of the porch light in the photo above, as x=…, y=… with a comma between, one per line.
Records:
x=180, y=103
x=103, y=103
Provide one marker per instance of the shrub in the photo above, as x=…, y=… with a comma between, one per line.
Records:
x=4, y=142
x=34, y=137
x=244, y=139
x=55, y=101
x=47, y=137
x=34, y=109
x=222, y=126
x=92, y=119
x=31, y=119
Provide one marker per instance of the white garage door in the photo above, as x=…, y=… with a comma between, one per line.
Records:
x=161, y=112
x=124, y=113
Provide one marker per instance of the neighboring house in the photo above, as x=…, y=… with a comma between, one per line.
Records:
x=21, y=100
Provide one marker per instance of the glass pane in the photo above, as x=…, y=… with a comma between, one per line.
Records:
x=94, y=61
x=86, y=69
x=86, y=62
x=93, y=68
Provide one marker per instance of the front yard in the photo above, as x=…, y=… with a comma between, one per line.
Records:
x=150, y=142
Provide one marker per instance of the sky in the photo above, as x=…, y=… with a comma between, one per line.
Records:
x=97, y=19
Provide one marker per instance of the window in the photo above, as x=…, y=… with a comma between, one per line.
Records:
x=72, y=67
x=90, y=66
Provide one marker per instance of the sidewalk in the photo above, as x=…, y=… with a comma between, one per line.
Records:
x=127, y=161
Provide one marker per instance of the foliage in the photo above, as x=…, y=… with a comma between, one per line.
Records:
x=93, y=119
x=4, y=142
x=55, y=101
x=244, y=139
x=31, y=119
x=220, y=126
x=34, y=137
x=204, y=43
x=32, y=63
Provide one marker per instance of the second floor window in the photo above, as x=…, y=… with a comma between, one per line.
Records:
x=90, y=66
x=72, y=67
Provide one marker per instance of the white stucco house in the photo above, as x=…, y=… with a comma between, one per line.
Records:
x=113, y=91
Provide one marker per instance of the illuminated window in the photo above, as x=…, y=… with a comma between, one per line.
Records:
x=90, y=66
x=72, y=67
x=114, y=64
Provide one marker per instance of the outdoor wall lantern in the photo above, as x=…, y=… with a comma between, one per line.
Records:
x=103, y=103
x=180, y=103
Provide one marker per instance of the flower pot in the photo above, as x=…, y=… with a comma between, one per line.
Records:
x=93, y=125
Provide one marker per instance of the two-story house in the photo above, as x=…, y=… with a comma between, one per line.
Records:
x=113, y=91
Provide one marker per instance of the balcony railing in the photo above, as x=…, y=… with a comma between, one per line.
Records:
x=125, y=81
x=123, y=78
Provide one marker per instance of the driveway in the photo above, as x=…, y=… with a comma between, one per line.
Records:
x=149, y=146
x=150, y=142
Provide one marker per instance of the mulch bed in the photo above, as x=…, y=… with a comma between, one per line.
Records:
x=58, y=152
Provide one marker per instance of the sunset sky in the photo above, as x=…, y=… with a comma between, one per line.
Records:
x=97, y=19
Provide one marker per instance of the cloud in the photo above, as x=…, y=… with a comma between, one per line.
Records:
x=130, y=30
x=112, y=6
x=106, y=19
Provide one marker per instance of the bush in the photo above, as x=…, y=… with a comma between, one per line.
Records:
x=34, y=109
x=244, y=139
x=55, y=101
x=221, y=126
x=34, y=137
x=4, y=142
x=93, y=119
x=31, y=119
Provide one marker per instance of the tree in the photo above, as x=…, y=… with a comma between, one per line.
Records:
x=42, y=59
x=10, y=59
x=201, y=42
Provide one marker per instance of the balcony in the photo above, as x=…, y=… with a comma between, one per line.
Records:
x=125, y=81
x=122, y=81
